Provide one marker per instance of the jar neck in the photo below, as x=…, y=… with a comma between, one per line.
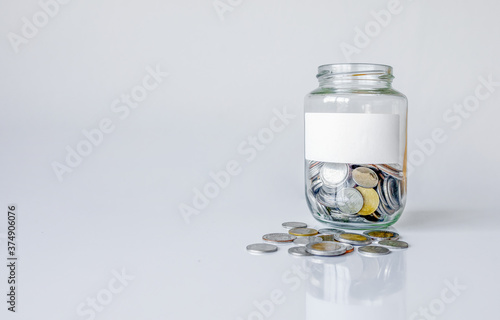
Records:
x=361, y=76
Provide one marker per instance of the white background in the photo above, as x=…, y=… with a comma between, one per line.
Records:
x=227, y=71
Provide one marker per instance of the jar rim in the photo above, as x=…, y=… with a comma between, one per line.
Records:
x=355, y=69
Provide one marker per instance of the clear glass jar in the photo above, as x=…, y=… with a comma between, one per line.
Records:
x=355, y=147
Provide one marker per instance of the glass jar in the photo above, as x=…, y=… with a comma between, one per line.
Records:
x=355, y=147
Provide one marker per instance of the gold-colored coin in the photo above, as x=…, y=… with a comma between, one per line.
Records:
x=303, y=232
x=365, y=177
x=370, y=201
x=381, y=234
x=352, y=237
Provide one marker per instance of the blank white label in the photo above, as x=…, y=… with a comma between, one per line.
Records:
x=352, y=137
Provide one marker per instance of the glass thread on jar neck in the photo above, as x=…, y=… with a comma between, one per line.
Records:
x=355, y=75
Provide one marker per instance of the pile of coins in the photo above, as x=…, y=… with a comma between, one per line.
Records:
x=328, y=242
x=354, y=193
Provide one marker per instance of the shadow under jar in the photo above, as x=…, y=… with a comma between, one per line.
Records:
x=355, y=147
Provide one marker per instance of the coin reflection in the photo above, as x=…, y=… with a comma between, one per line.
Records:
x=357, y=287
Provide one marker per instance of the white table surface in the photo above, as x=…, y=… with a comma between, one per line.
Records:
x=202, y=270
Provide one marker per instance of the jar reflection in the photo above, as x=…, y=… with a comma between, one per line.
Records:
x=356, y=287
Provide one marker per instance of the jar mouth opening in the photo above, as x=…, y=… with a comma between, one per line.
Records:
x=355, y=71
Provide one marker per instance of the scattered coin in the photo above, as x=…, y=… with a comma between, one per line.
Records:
x=327, y=237
x=299, y=251
x=393, y=244
x=349, y=200
x=382, y=235
x=303, y=241
x=333, y=174
x=330, y=231
x=261, y=248
x=373, y=250
x=365, y=177
x=326, y=248
x=303, y=232
x=353, y=238
x=279, y=237
x=349, y=248
x=370, y=201
x=291, y=225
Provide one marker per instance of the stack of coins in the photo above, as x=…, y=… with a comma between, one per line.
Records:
x=329, y=243
x=354, y=193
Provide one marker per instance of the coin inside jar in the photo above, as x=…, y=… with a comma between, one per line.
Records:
x=382, y=235
x=349, y=201
x=333, y=174
x=374, y=217
x=370, y=201
x=373, y=251
x=303, y=232
x=365, y=177
x=279, y=237
x=326, y=198
x=353, y=238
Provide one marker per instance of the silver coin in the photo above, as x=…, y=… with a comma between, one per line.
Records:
x=385, y=188
x=299, y=251
x=392, y=171
x=278, y=237
x=303, y=241
x=330, y=231
x=384, y=206
x=373, y=250
x=365, y=177
x=261, y=248
x=393, y=244
x=291, y=225
x=326, y=198
x=326, y=248
x=353, y=238
x=336, y=215
x=381, y=235
x=349, y=200
x=314, y=168
x=327, y=237
x=334, y=174
x=393, y=192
